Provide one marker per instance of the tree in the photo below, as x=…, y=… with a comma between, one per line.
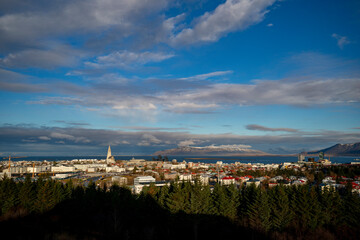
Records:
x=351, y=209
x=177, y=199
x=45, y=199
x=200, y=199
x=162, y=196
x=27, y=194
x=280, y=208
x=10, y=198
x=259, y=211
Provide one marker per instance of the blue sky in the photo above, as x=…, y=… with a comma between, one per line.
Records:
x=148, y=75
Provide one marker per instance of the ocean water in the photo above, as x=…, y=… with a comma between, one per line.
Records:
x=195, y=159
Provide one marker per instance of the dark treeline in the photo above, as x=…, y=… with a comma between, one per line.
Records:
x=51, y=209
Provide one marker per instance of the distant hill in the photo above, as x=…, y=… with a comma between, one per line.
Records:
x=351, y=149
x=225, y=150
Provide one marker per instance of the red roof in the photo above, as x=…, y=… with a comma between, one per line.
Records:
x=228, y=177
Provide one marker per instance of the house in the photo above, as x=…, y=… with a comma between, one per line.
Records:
x=119, y=180
x=228, y=180
x=185, y=177
x=253, y=181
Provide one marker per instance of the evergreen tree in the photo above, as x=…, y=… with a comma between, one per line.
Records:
x=162, y=196
x=58, y=192
x=200, y=199
x=177, y=199
x=11, y=192
x=68, y=189
x=218, y=200
x=247, y=197
x=315, y=218
x=232, y=201
x=27, y=194
x=259, y=211
x=302, y=206
x=45, y=200
x=351, y=209
x=280, y=209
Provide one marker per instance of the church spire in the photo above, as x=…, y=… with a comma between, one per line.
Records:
x=108, y=153
x=110, y=158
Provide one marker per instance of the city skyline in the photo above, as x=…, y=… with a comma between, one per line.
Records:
x=142, y=76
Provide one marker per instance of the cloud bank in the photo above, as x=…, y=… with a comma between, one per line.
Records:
x=63, y=141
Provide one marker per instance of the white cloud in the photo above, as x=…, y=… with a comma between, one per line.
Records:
x=128, y=59
x=56, y=18
x=188, y=106
x=150, y=138
x=65, y=136
x=189, y=142
x=233, y=15
x=341, y=40
x=46, y=138
x=266, y=92
x=233, y=147
x=262, y=128
x=208, y=75
x=117, y=100
x=55, y=56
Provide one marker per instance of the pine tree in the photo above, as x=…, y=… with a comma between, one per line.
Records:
x=177, y=198
x=68, y=189
x=259, y=211
x=280, y=209
x=247, y=197
x=325, y=199
x=315, y=218
x=58, y=192
x=27, y=194
x=11, y=192
x=302, y=206
x=265, y=212
x=200, y=199
x=351, y=209
x=45, y=200
x=218, y=200
x=232, y=200
x=162, y=196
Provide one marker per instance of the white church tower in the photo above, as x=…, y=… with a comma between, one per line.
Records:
x=110, y=158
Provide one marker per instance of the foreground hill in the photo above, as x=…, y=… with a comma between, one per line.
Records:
x=225, y=150
x=352, y=149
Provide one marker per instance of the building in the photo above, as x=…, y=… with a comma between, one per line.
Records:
x=143, y=180
x=62, y=169
x=301, y=158
x=119, y=180
x=228, y=180
x=115, y=169
x=137, y=161
x=185, y=177
x=256, y=182
x=110, y=158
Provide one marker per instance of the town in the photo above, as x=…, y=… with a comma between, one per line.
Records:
x=137, y=173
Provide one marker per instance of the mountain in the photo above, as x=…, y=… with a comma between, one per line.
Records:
x=352, y=149
x=222, y=150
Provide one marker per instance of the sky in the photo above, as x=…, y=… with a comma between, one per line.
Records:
x=148, y=75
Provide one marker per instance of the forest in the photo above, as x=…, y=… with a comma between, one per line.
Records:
x=48, y=209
